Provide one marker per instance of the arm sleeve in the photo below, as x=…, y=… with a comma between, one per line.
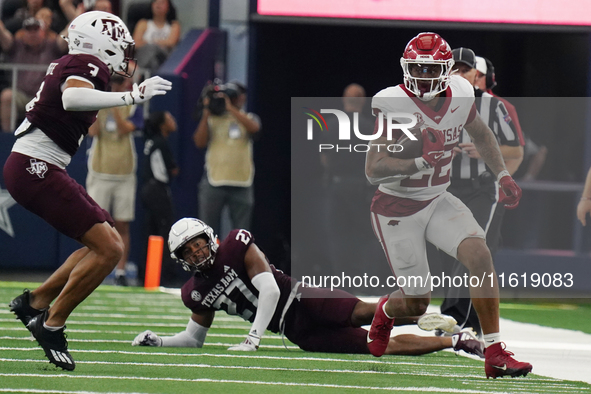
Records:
x=268, y=297
x=84, y=99
x=193, y=336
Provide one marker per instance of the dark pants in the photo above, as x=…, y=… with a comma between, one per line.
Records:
x=213, y=199
x=481, y=199
x=157, y=201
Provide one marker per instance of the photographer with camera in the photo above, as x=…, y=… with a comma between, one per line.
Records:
x=226, y=130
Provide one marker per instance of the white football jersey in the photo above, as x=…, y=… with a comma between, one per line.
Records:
x=450, y=118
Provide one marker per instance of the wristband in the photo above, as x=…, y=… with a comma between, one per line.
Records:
x=502, y=174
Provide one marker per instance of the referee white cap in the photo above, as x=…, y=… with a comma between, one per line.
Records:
x=481, y=65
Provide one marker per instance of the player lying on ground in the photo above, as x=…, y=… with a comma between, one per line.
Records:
x=236, y=277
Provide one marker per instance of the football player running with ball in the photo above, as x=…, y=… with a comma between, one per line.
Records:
x=235, y=276
x=57, y=120
x=412, y=206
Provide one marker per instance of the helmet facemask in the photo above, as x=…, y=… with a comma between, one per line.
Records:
x=185, y=231
x=127, y=66
x=427, y=88
x=191, y=260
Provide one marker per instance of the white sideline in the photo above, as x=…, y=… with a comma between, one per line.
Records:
x=554, y=352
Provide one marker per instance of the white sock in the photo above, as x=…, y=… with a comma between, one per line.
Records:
x=49, y=328
x=119, y=272
x=386, y=313
x=491, y=339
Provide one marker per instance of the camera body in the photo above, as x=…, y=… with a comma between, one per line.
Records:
x=216, y=92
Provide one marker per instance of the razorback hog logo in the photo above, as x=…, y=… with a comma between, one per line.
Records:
x=113, y=28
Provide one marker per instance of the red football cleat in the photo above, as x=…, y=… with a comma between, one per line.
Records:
x=379, y=333
x=498, y=362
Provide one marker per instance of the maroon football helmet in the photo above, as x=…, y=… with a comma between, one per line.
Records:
x=427, y=62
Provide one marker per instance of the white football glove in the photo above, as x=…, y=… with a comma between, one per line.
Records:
x=155, y=86
x=147, y=338
x=250, y=344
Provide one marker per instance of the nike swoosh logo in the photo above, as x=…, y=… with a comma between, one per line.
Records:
x=369, y=340
x=503, y=368
x=454, y=110
x=438, y=156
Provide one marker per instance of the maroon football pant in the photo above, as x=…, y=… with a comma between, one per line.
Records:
x=319, y=322
x=49, y=192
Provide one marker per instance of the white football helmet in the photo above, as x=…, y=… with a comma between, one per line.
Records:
x=185, y=230
x=105, y=36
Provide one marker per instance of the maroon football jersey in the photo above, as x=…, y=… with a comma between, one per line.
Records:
x=46, y=111
x=226, y=286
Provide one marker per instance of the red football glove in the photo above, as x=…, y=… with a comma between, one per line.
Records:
x=509, y=191
x=432, y=150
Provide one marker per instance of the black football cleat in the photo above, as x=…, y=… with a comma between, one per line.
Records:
x=54, y=343
x=121, y=281
x=21, y=307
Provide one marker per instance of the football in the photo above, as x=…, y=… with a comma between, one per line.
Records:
x=411, y=148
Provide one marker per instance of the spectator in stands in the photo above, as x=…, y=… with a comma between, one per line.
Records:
x=33, y=48
x=29, y=10
x=159, y=169
x=156, y=38
x=72, y=8
x=45, y=15
x=227, y=131
x=111, y=179
x=102, y=5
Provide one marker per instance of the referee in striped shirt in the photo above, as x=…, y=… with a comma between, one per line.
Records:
x=474, y=184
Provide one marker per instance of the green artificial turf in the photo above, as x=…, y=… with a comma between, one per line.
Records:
x=101, y=329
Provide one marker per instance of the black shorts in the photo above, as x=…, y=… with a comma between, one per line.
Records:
x=49, y=192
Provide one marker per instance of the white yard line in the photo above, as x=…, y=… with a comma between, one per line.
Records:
x=253, y=382
x=251, y=358
x=465, y=377
x=257, y=368
x=240, y=325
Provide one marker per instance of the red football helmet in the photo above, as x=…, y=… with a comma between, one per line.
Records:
x=427, y=62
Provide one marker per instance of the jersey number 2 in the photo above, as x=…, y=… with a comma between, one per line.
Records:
x=243, y=236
